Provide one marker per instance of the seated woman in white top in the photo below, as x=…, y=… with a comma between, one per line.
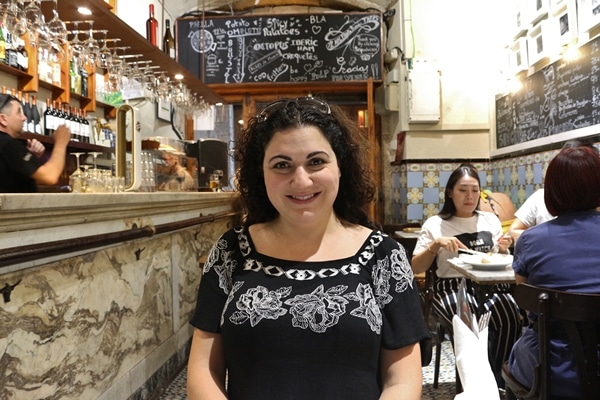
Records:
x=461, y=225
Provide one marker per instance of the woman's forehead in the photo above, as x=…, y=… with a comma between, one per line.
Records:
x=467, y=180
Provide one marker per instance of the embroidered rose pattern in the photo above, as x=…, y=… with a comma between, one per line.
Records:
x=318, y=310
x=259, y=303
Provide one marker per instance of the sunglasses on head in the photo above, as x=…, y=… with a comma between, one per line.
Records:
x=302, y=102
x=7, y=99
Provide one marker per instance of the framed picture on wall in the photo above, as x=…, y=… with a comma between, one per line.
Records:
x=519, y=59
x=538, y=42
x=564, y=22
x=163, y=110
x=537, y=10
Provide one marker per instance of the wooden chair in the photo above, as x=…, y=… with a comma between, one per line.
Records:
x=441, y=328
x=579, y=316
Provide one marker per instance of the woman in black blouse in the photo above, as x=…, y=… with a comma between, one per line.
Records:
x=305, y=300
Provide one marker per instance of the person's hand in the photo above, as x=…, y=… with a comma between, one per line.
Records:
x=62, y=135
x=450, y=244
x=504, y=243
x=35, y=147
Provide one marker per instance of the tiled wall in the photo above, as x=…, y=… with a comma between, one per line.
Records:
x=416, y=189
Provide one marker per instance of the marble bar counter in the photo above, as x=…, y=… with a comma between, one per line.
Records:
x=106, y=322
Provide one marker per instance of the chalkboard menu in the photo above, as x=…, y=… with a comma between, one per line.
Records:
x=561, y=97
x=284, y=48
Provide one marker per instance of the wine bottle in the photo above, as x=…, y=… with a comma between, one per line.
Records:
x=87, y=128
x=76, y=124
x=26, y=110
x=29, y=114
x=152, y=27
x=22, y=56
x=73, y=75
x=3, y=58
x=48, y=119
x=35, y=112
x=11, y=50
x=59, y=117
x=168, y=41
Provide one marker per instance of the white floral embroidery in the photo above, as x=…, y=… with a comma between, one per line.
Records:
x=368, y=309
x=215, y=254
x=223, y=263
x=318, y=310
x=243, y=241
x=381, y=282
x=401, y=270
x=259, y=303
x=322, y=308
x=234, y=289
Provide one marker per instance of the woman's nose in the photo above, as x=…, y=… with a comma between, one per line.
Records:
x=301, y=177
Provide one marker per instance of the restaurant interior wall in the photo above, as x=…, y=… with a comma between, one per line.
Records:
x=460, y=38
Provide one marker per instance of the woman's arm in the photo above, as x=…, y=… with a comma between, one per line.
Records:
x=206, y=367
x=401, y=373
x=421, y=261
x=516, y=229
x=520, y=279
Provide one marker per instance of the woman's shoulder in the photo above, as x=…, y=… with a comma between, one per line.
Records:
x=234, y=236
x=488, y=217
x=434, y=220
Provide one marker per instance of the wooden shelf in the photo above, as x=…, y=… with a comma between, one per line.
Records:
x=104, y=19
x=72, y=146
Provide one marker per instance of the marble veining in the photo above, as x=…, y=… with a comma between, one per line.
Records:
x=75, y=326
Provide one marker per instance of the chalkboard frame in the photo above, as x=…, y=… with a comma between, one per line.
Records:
x=199, y=55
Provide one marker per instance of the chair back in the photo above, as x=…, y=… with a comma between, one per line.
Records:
x=579, y=316
x=428, y=290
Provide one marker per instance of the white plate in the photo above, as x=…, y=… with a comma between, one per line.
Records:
x=496, y=262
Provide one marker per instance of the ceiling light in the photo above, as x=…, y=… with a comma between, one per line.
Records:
x=84, y=10
x=178, y=76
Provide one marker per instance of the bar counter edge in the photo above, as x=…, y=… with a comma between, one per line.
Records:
x=107, y=321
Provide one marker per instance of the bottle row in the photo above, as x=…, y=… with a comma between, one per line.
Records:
x=64, y=114
x=52, y=117
x=13, y=51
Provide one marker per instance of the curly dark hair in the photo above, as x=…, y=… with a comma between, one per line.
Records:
x=356, y=188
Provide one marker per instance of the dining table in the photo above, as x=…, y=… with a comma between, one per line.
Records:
x=484, y=280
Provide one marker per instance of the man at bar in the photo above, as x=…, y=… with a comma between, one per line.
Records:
x=21, y=168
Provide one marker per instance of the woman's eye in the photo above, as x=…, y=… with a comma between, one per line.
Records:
x=281, y=165
x=316, y=162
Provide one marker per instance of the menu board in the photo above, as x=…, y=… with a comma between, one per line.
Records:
x=561, y=97
x=282, y=48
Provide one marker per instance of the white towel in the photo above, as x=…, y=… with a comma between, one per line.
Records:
x=472, y=362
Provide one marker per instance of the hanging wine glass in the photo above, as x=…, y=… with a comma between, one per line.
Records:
x=18, y=19
x=137, y=75
x=57, y=35
x=75, y=44
x=162, y=87
x=6, y=13
x=90, y=45
x=35, y=23
x=56, y=27
x=104, y=58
